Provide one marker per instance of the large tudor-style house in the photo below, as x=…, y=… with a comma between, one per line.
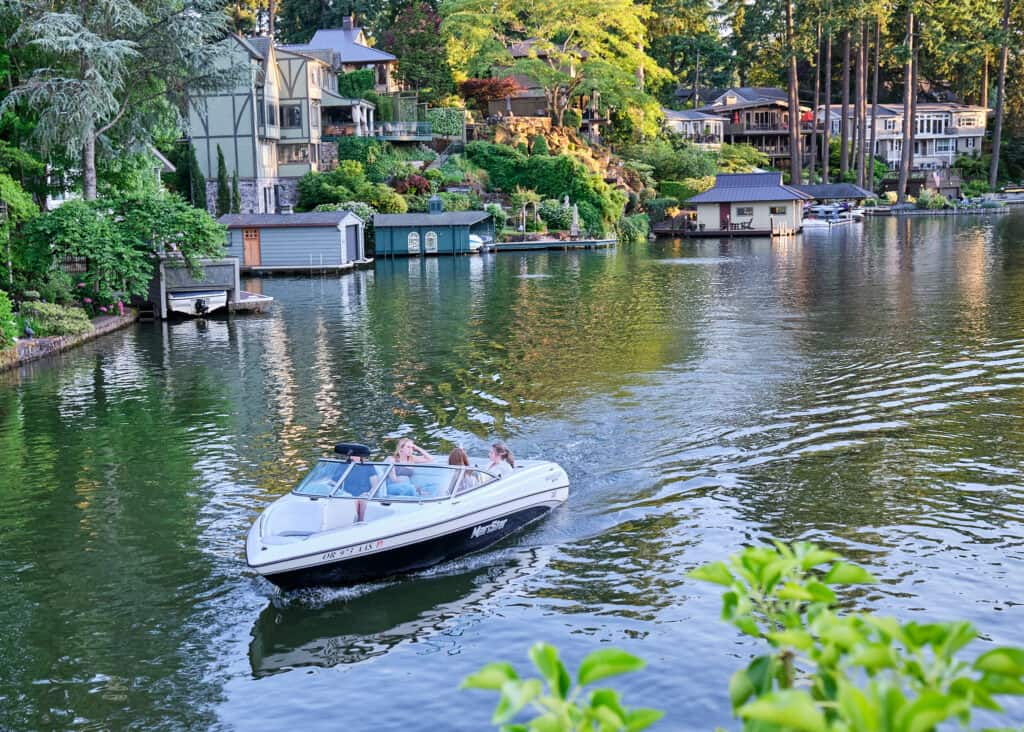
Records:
x=278, y=121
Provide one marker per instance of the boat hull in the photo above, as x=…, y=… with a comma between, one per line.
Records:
x=374, y=564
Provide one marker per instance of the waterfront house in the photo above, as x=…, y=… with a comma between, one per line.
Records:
x=749, y=204
x=270, y=124
x=943, y=132
x=759, y=116
x=347, y=49
x=702, y=129
x=320, y=240
x=435, y=232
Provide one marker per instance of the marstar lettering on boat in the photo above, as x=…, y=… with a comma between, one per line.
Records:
x=484, y=529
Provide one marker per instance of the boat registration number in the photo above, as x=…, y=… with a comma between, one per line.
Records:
x=351, y=550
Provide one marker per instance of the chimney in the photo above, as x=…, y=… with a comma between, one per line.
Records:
x=348, y=22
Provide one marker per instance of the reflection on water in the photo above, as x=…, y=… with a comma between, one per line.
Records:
x=326, y=627
x=860, y=389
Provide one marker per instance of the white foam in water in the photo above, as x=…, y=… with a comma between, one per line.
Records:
x=696, y=260
x=533, y=277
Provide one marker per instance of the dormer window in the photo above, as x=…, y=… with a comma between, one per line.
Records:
x=730, y=99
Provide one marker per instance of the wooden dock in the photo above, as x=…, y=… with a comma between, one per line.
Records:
x=546, y=244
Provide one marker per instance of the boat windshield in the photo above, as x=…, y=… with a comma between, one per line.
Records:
x=388, y=481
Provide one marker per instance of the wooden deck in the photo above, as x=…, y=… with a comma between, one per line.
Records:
x=543, y=244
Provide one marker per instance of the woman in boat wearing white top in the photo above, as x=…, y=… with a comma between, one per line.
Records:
x=502, y=461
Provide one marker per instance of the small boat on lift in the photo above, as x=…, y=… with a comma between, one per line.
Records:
x=350, y=521
x=197, y=303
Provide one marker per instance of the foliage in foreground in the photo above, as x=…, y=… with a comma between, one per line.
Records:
x=563, y=707
x=824, y=671
x=8, y=324
x=51, y=319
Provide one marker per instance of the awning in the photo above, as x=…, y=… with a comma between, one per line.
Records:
x=330, y=99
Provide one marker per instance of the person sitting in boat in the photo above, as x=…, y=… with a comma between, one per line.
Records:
x=502, y=461
x=360, y=482
x=468, y=480
x=399, y=478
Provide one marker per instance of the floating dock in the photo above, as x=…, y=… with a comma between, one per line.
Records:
x=545, y=244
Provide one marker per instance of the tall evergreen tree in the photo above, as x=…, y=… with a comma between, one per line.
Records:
x=415, y=39
x=236, y=194
x=196, y=184
x=909, y=92
x=223, y=187
x=997, y=130
x=113, y=67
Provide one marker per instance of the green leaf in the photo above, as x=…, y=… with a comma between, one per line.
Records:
x=858, y=710
x=790, y=709
x=492, y=676
x=844, y=573
x=960, y=634
x=1002, y=661
x=607, y=662
x=815, y=556
x=874, y=658
x=748, y=625
x=741, y=688
x=820, y=592
x=999, y=684
x=514, y=696
x=642, y=718
x=607, y=698
x=928, y=710
x=792, y=638
x=545, y=658
x=715, y=572
x=793, y=591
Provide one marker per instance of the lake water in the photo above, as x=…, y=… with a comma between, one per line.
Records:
x=863, y=389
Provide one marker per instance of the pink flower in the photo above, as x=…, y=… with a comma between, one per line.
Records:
x=81, y=284
x=103, y=308
x=87, y=300
x=120, y=308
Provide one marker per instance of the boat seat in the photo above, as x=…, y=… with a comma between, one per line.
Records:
x=295, y=519
x=338, y=512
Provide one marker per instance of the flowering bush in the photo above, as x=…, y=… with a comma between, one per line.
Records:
x=412, y=184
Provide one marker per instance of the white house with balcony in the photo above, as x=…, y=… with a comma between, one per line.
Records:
x=944, y=132
x=702, y=129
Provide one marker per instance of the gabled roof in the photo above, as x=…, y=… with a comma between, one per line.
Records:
x=834, y=191
x=446, y=218
x=331, y=99
x=344, y=43
x=313, y=218
x=748, y=188
x=756, y=93
x=689, y=115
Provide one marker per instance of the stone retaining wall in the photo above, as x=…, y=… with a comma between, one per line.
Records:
x=31, y=349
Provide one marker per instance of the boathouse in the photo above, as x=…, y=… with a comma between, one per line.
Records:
x=835, y=192
x=749, y=204
x=315, y=241
x=435, y=232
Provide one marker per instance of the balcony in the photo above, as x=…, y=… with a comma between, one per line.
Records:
x=403, y=131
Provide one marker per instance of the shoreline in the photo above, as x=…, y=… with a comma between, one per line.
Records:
x=26, y=350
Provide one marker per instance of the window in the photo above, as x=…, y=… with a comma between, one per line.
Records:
x=272, y=115
x=293, y=154
x=890, y=125
x=414, y=242
x=430, y=242
x=778, y=210
x=944, y=146
x=314, y=115
x=291, y=115
x=744, y=210
x=969, y=143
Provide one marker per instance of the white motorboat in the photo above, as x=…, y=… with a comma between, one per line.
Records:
x=349, y=521
x=479, y=243
x=197, y=302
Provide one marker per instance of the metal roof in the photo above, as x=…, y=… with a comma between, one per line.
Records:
x=446, y=218
x=748, y=187
x=834, y=191
x=345, y=43
x=312, y=218
x=689, y=114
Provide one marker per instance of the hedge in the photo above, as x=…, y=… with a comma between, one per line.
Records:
x=447, y=121
x=50, y=319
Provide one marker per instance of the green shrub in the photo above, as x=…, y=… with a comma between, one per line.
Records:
x=447, y=121
x=8, y=323
x=590, y=218
x=51, y=319
x=458, y=201
x=656, y=208
x=358, y=148
x=355, y=84
x=975, y=188
x=572, y=118
x=498, y=213
x=633, y=229
x=435, y=176
x=540, y=145
x=415, y=203
x=555, y=215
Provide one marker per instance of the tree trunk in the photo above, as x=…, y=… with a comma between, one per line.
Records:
x=916, y=84
x=875, y=62
x=908, y=120
x=795, y=156
x=271, y=11
x=997, y=130
x=817, y=101
x=89, y=165
x=826, y=142
x=844, y=112
x=862, y=102
x=984, y=82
